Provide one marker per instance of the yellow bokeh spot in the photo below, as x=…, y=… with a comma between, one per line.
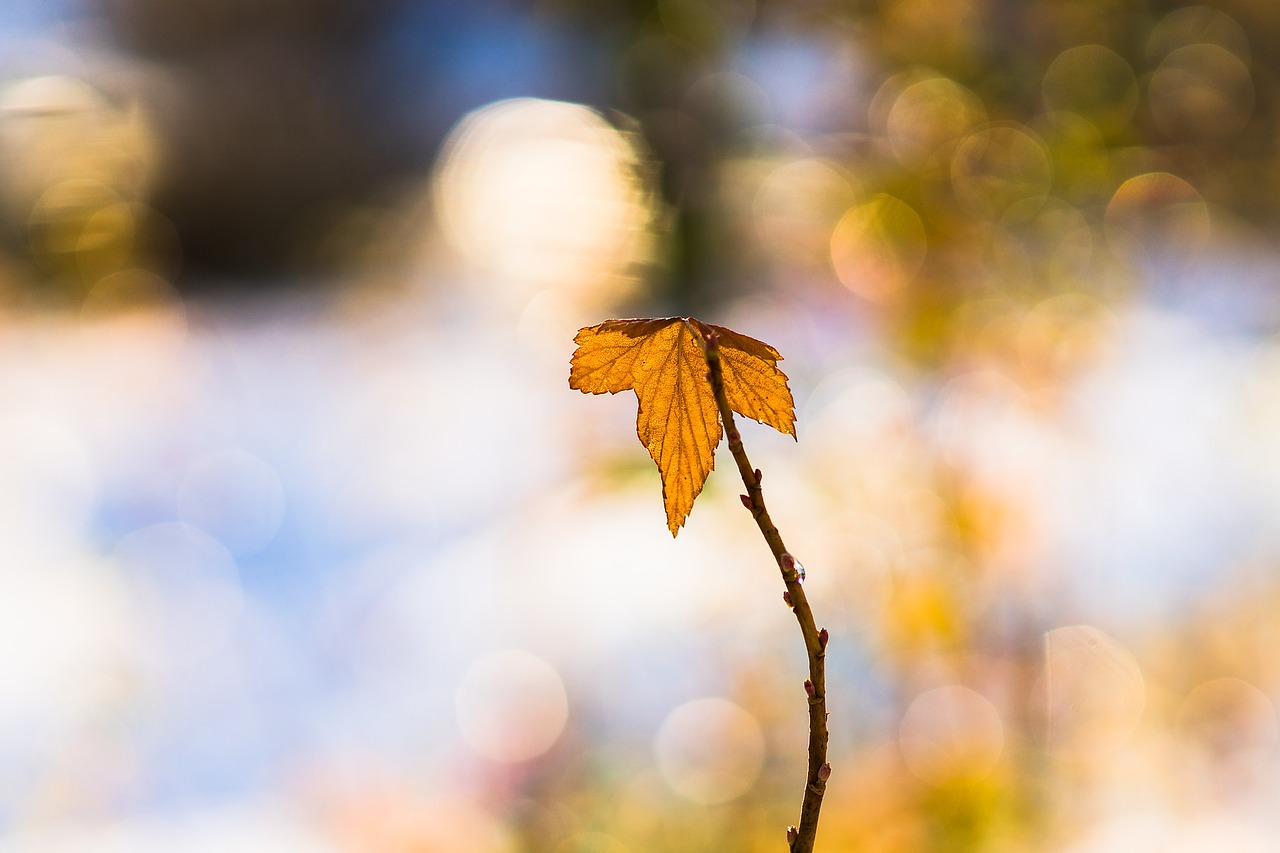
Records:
x=951, y=732
x=710, y=750
x=878, y=247
x=1201, y=93
x=1196, y=25
x=929, y=114
x=1157, y=215
x=797, y=205
x=1095, y=82
x=1095, y=693
x=998, y=166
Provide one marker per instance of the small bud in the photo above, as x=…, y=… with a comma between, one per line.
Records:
x=808, y=688
x=788, y=563
x=759, y=477
x=793, y=835
x=822, y=639
x=786, y=597
x=746, y=501
x=824, y=772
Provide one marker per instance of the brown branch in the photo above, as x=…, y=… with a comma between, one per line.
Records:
x=801, y=838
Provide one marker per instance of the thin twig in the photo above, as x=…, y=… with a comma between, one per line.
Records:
x=799, y=838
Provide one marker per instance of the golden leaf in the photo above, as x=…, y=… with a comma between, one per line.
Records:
x=663, y=361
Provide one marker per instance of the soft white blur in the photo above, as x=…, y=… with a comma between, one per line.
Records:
x=536, y=193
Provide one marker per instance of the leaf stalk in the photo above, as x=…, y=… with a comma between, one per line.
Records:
x=800, y=839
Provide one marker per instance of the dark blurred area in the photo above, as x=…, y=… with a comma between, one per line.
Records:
x=280, y=130
x=274, y=120
x=274, y=116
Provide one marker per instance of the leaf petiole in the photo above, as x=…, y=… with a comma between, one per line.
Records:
x=800, y=838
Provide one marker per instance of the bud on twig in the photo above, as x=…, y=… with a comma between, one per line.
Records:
x=791, y=566
x=808, y=688
x=746, y=501
x=786, y=597
x=759, y=477
x=822, y=639
x=824, y=772
x=792, y=834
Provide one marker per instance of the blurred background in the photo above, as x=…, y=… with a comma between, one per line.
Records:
x=305, y=544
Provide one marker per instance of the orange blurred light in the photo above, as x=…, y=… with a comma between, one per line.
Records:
x=878, y=247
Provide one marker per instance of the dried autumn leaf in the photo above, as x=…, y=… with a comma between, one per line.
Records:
x=663, y=361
